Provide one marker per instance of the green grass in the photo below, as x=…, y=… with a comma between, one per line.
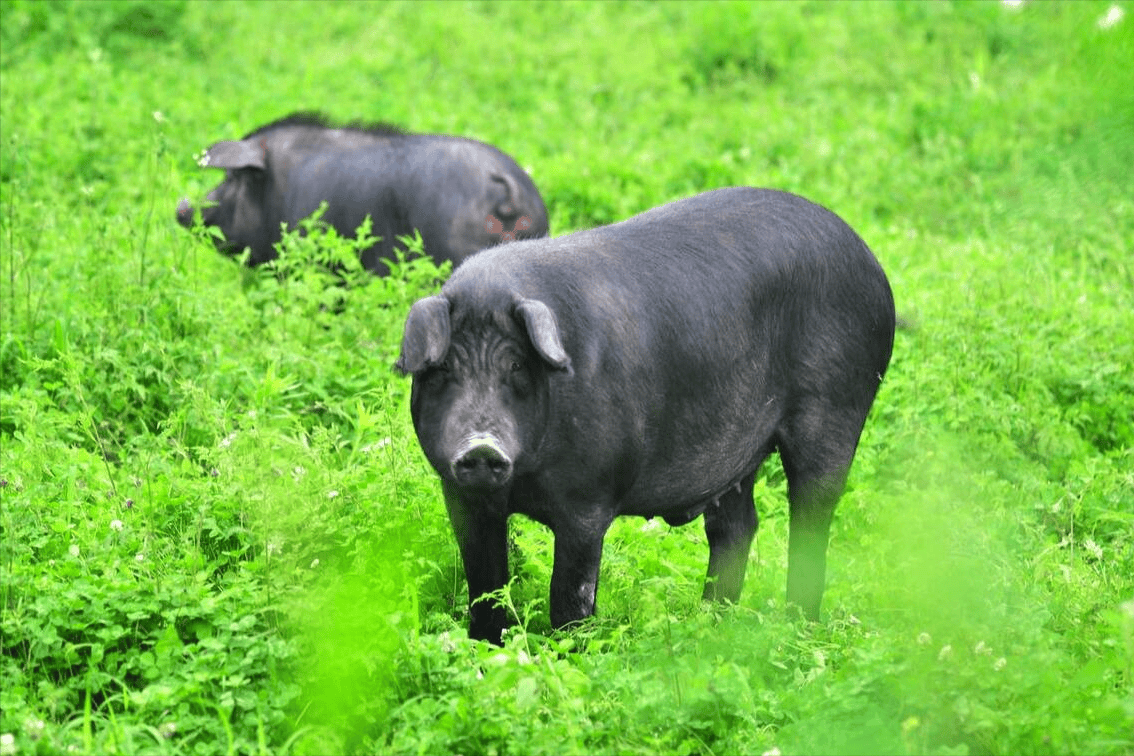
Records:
x=218, y=533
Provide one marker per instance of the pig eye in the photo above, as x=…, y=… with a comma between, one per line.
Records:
x=515, y=367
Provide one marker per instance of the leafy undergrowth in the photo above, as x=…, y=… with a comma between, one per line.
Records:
x=218, y=534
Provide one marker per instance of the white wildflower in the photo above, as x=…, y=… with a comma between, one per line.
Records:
x=332, y=494
x=924, y=639
x=159, y=116
x=139, y=557
x=999, y=664
x=773, y=751
x=7, y=744
x=1114, y=14
x=1093, y=548
x=227, y=440
x=314, y=563
x=945, y=653
x=116, y=524
x=74, y=550
x=380, y=444
x=34, y=728
x=1013, y=4
x=167, y=730
x=980, y=649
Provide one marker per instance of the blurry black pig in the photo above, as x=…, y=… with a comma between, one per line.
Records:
x=648, y=368
x=459, y=193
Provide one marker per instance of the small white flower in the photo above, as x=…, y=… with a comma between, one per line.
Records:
x=980, y=649
x=924, y=639
x=116, y=524
x=974, y=79
x=332, y=494
x=650, y=524
x=999, y=664
x=773, y=751
x=314, y=563
x=1113, y=15
x=1013, y=3
x=167, y=730
x=74, y=550
x=139, y=557
x=1093, y=548
x=273, y=547
x=945, y=653
x=523, y=658
x=381, y=444
x=159, y=117
x=7, y=744
x=34, y=728
x=227, y=440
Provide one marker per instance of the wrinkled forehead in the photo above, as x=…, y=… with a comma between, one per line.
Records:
x=485, y=324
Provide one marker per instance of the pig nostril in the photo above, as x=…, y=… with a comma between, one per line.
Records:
x=482, y=465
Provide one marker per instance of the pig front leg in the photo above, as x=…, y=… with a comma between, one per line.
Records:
x=575, y=573
x=482, y=535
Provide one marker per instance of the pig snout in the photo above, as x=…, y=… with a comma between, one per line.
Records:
x=185, y=213
x=481, y=462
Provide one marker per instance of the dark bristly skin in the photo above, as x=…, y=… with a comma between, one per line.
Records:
x=445, y=187
x=648, y=368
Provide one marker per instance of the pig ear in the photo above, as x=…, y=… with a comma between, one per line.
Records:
x=426, y=338
x=242, y=154
x=544, y=332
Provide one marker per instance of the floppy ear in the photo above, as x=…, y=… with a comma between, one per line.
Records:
x=542, y=329
x=247, y=153
x=426, y=338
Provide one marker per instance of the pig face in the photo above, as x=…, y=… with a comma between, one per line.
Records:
x=237, y=205
x=480, y=390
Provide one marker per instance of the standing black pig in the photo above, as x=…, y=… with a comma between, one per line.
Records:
x=648, y=368
x=459, y=193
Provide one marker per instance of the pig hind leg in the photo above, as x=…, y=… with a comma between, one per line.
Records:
x=816, y=447
x=730, y=524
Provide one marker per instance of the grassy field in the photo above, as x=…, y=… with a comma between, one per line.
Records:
x=218, y=533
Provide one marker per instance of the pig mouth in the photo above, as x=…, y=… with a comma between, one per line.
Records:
x=481, y=463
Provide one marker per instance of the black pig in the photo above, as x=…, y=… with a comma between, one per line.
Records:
x=460, y=194
x=648, y=368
